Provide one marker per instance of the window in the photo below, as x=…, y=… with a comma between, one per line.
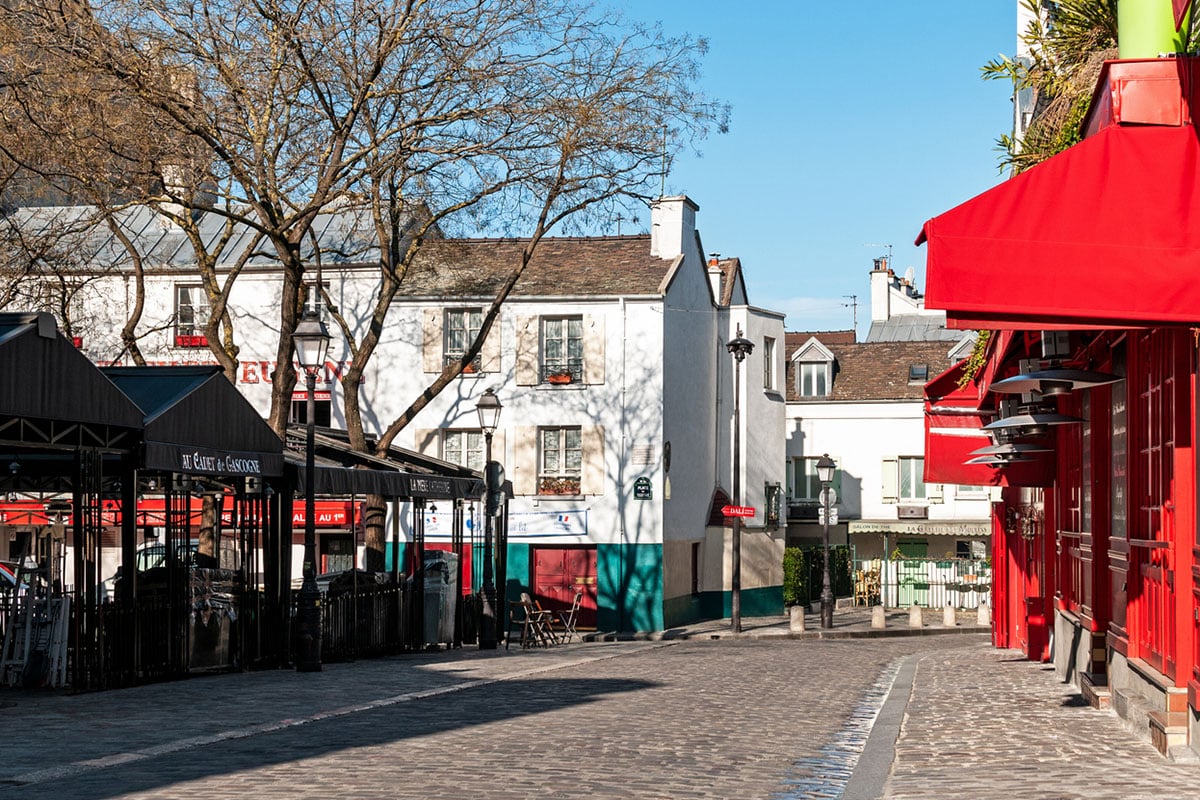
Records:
x=912, y=478
x=562, y=349
x=966, y=492
x=191, y=316
x=918, y=373
x=560, y=460
x=812, y=379
x=311, y=300
x=803, y=485
x=460, y=329
x=465, y=448
x=768, y=363
x=322, y=409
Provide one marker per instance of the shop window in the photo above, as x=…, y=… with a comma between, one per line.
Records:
x=560, y=461
x=322, y=409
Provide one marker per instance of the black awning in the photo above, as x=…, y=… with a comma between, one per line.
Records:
x=196, y=422
x=47, y=378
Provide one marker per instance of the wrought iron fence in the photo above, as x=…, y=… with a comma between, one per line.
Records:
x=369, y=621
x=928, y=582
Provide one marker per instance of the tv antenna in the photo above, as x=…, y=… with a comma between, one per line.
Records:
x=853, y=306
x=889, y=251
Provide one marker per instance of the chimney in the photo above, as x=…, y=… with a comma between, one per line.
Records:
x=715, y=275
x=881, y=294
x=672, y=225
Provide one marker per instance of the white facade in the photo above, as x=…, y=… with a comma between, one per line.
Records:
x=655, y=379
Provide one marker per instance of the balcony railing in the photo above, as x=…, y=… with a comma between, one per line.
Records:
x=559, y=484
x=474, y=366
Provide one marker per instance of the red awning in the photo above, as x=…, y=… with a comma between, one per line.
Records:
x=1102, y=234
x=954, y=421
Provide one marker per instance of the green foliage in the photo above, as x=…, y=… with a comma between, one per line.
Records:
x=803, y=573
x=975, y=361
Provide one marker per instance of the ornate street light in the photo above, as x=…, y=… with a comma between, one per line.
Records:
x=739, y=347
x=311, y=340
x=488, y=409
x=826, y=467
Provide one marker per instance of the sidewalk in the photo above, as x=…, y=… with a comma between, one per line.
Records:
x=849, y=622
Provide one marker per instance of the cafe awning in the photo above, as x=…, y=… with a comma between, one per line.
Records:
x=197, y=423
x=1100, y=235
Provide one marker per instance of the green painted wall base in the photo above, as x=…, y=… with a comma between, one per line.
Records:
x=765, y=601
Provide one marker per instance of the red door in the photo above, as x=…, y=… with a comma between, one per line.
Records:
x=559, y=572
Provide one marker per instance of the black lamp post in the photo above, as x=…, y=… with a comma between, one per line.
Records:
x=311, y=340
x=488, y=408
x=825, y=469
x=740, y=347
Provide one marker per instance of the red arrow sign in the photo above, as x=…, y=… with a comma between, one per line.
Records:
x=738, y=511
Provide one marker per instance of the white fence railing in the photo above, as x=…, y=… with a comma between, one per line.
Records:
x=928, y=582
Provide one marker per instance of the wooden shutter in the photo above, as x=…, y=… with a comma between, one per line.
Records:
x=498, y=453
x=525, y=460
x=527, y=350
x=593, y=348
x=594, y=477
x=428, y=441
x=891, y=480
x=489, y=356
x=431, y=341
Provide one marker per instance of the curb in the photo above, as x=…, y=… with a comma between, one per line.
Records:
x=781, y=633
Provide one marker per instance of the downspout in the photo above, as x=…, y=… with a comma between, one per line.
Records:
x=622, y=505
x=1147, y=29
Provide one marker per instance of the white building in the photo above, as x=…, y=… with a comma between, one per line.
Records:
x=862, y=404
x=610, y=361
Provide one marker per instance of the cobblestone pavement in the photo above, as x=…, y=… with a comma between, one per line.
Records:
x=751, y=717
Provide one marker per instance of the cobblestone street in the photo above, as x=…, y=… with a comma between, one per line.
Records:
x=735, y=718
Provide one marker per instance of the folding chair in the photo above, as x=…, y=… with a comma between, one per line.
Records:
x=538, y=623
x=566, y=619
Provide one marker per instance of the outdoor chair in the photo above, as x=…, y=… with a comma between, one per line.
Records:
x=565, y=620
x=534, y=622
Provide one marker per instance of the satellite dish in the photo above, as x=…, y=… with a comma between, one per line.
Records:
x=909, y=275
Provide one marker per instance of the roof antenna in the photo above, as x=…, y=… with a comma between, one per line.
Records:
x=853, y=306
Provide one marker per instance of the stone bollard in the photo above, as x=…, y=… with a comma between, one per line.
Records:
x=983, y=615
x=914, y=617
x=878, y=618
x=949, y=618
x=796, y=622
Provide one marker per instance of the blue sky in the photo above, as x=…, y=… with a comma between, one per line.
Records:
x=853, y=123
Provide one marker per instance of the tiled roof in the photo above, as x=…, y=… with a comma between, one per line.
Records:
x=873, y=370
x=604, y=265
x=793, y=339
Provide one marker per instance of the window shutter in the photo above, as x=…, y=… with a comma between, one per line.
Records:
x=891, y=480
x=527, y=351
x=431, y=341
x=498, y=453
x=593, y=348
x=428, y=441
x=593, y=478
x=934, y=492
x=489, y=356
x=525, y=460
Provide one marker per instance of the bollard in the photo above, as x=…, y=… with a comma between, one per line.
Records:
x=914, y=617
x=878, y=618
x=949, y=619
x=983, y=614
x=796, y=623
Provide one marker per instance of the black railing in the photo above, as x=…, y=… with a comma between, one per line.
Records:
x=474, y=365
x=369, y=621
x=570, y=371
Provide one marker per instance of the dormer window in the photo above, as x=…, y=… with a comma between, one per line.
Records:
x=813, y=369
x=918, y=373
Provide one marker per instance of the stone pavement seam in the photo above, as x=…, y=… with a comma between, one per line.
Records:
x=78, y=767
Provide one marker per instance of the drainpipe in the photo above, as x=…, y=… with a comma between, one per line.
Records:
x=1146, y=28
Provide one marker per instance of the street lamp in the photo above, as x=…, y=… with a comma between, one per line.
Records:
x=826, y=466
x=740, y=347
x=311, y=340
x=488, y=409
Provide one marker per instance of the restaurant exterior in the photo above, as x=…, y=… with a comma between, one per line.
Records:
x=1084, y=407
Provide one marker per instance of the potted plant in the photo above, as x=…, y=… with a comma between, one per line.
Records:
x=559, y=377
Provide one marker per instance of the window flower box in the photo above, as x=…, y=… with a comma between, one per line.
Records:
x=559, y=486
x=559, y=378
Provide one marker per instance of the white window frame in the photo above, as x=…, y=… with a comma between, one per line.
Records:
x=460, y=327
x=911, y=485
x=820, y=375
x=560, y=462
x=557, y=330
x=190, y=296
x=769, y=363
x=465, y=447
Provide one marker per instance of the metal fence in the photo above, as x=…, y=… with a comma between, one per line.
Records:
x=927, y=582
